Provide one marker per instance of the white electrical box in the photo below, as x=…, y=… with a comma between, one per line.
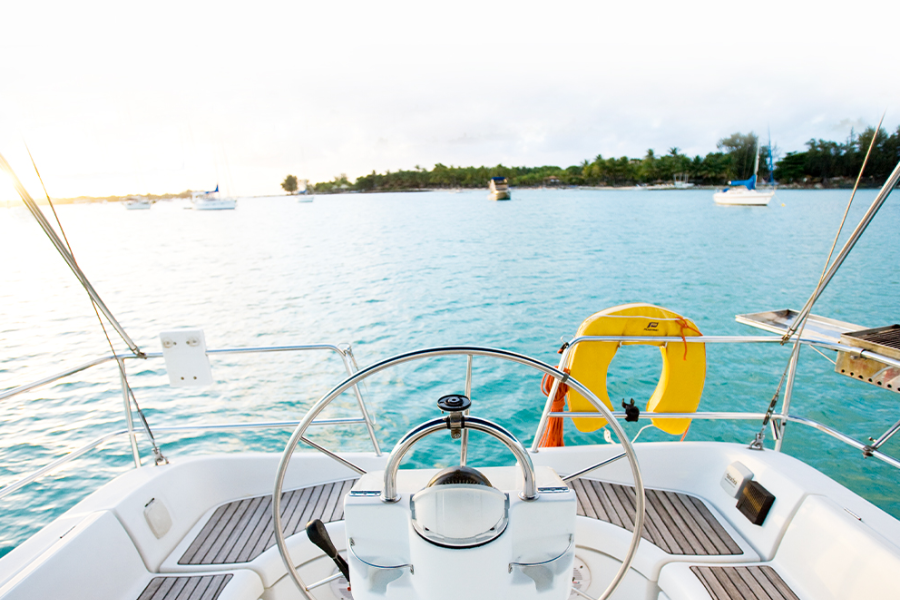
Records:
x=186, y=360
x=735, y=478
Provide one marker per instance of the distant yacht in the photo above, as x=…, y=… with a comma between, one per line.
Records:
x=499, y=188
x=212, y=201
x=136, y=203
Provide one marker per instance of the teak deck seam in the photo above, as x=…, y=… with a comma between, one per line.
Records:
x=241, y=530
x=193, y=587
x=744, y=583
x=676, y=523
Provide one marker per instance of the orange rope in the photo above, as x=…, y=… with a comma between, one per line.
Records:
x=682, y=322
x=553, y=435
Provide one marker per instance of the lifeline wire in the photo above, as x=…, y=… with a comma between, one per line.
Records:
x=160, y=458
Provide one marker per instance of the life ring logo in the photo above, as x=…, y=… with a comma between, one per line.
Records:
x=652, y=326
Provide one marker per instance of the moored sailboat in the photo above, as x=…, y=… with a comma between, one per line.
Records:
x=212, y=200
x=744, y=192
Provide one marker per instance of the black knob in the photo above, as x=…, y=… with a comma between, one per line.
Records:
x=318, y=535
x=454, y=403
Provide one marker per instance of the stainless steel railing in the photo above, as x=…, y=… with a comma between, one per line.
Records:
x=775, y=419
x=351, y=368
x=344, y=351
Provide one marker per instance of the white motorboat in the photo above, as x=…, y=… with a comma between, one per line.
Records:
x=661, y=521
x=137, y=203
x=499, y=189
x=212, y=200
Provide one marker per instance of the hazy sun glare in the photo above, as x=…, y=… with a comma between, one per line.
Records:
x=8, y=194
x=118, y=99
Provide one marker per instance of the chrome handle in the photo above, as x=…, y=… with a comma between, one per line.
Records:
x=429, y=427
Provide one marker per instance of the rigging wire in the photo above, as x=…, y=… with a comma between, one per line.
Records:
x=812, y=298
x=159, y=457
x=757, y=443
x=50, y=232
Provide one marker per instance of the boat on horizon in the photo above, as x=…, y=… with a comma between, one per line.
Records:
x=673, y=520
x=681, y=182
x=212, y=200
x=137, y=203
x=744, y=192
x=499, y=189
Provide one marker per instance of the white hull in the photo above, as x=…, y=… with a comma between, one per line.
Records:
x=110, y=546
x=499, y=189
x=137, y=205
x=738, y=197
x=218, y=204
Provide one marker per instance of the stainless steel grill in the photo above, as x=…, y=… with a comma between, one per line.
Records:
x=883, y=340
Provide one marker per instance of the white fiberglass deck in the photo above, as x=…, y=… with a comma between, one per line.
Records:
x=696, y=544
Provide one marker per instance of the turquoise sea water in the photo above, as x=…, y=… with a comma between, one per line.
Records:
x=394, y=272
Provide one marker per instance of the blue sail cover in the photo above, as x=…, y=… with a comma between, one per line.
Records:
x=750, y=184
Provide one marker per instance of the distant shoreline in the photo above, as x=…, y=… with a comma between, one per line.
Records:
x=623, y=188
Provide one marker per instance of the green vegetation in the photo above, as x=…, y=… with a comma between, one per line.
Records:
x=289, y=184
x=337, y=185
x=824, y=163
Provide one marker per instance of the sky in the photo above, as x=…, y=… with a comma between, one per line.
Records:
x=118, y=98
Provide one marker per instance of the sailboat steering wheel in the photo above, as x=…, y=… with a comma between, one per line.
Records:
x=469, y=351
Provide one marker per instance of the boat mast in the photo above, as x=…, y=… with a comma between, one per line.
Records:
x=756, y=161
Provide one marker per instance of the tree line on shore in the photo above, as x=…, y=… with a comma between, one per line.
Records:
x=824, y=163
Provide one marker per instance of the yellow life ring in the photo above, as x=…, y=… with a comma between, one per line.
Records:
x=684, y=365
